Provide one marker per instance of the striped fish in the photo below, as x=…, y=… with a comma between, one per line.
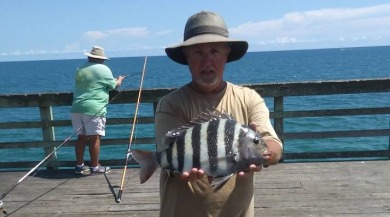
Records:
x=214, y=142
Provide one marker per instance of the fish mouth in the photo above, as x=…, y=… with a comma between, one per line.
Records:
x=255, y=161
x=251, y=156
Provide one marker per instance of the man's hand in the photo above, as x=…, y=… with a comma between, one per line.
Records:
x=193, y=175
x=119, y=80
x=274, y=152
x=252, y=168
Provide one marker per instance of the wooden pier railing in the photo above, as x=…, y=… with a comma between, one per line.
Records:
x=280, y=112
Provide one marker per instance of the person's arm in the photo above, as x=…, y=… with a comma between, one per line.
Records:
x=261, y=123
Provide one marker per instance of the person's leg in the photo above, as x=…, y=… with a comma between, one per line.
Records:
x=82, y=140
x=95, y=130
x=94, y=152
x=94, y=149
x=80, y=149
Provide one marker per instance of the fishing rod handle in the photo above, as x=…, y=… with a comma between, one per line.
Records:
x=119, y=198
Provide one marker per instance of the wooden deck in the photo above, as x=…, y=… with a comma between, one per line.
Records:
x=354, y=188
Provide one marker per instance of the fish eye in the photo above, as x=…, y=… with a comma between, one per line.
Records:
x=256, y=140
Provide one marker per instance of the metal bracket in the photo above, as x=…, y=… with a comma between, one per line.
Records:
x=1, y=208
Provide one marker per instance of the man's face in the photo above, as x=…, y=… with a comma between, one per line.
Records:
x=207, y=63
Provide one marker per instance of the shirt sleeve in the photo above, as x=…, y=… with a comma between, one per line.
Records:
x=109, y=79
x=166, y=118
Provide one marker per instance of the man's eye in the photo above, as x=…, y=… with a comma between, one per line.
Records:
x=215, y=51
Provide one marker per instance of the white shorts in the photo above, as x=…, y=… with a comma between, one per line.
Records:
x=88, y=125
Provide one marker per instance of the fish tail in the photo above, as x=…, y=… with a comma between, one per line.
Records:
x=148, y=161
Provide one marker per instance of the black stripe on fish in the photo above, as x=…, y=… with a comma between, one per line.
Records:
x=230, y=127
x=180, y=147
x=243, y=131
x=169, y=153
x=212, y=148
x=195, y=143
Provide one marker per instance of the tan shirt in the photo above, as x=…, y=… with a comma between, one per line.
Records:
x=235, y=197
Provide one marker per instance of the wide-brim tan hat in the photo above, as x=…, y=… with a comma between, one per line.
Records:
x=97, y=52
x=206, y=27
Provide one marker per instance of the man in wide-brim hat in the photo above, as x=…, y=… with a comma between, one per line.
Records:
x=206, y=27
x=97, y=52
x=93, y=81
x=206, y=49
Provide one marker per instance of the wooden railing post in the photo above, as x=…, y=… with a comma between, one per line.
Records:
x=154, y=115
x=279, y=122
x=48, y=134
x=154, y=108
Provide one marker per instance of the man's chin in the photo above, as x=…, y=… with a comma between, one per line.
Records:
x=207, y=83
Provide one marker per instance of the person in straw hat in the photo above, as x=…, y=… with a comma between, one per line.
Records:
x=93, y=81
x=206, y=48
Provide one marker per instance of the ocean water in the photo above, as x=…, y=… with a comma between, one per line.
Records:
x=255, y=67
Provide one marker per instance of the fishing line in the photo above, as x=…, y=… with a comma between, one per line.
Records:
x=2, y=196
x=128, y=154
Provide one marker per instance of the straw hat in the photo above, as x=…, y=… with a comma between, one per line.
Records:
x=206, y=27
x=97, y=52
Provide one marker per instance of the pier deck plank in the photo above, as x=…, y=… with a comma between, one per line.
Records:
x=354, y=188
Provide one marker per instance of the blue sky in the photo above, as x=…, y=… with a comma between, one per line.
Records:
x=54, y=29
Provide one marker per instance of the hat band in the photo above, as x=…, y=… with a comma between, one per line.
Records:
x=205, y=30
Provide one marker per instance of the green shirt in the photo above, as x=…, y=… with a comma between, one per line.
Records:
x=93, y=81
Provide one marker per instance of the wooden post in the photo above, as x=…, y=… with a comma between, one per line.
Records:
x=154, y=115
x=48, y=134
x=279, y=122
x=154, y=108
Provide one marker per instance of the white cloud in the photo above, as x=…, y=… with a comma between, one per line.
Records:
x=350, y=25
x=163, y=33
x=72, y=47
x=286, y=40
x=136, y=32
x=31, y=52
x=135, y=39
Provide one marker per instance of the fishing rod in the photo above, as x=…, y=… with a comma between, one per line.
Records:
x=2, y=196
x=130, y=75
x=129, y=154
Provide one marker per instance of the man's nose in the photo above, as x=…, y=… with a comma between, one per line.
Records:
x=207, y=57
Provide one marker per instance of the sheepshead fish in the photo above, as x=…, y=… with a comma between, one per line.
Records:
x=214, y=142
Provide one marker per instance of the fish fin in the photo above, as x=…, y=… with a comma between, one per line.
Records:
x=210, y=114
x=218, y=181
x=205, y=116
x=148, y=161
x=169, y=138
x=172, y=134
x=166, y=142
x=219, y=114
